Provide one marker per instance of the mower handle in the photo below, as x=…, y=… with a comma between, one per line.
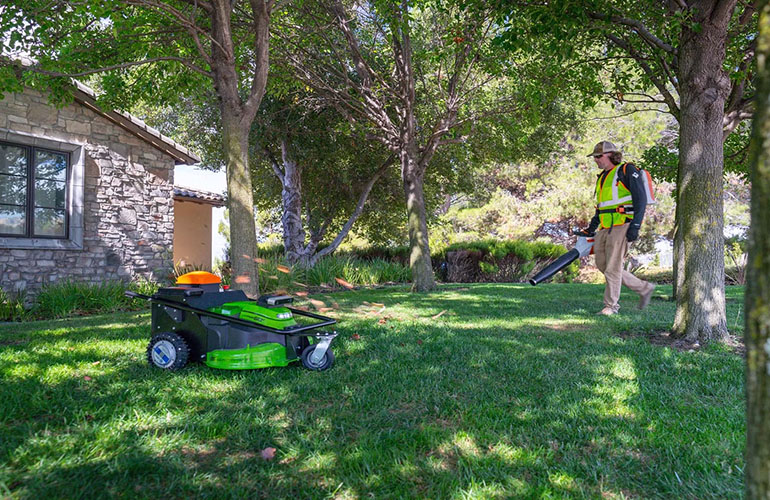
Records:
x=134, y=295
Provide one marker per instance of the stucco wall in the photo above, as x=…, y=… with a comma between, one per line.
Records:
x=192, y=233
x=126, y=227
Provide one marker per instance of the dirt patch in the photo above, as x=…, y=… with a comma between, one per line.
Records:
x=566, y=327
x=664, y=339
x=7, y=342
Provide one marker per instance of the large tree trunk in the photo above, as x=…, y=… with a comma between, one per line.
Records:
x=419, y=256
x=237, y=116
x=243, y=234
x=758, y=287
x=700, y=314
x=291, y=220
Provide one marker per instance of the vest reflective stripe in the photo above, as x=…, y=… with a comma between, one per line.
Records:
x=612, y=196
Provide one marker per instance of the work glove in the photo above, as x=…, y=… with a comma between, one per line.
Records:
x=633, y=233
x=588, y=233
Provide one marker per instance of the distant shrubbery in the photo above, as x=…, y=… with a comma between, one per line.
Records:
x=486, y=260
x=69, y=298
x=499, y=261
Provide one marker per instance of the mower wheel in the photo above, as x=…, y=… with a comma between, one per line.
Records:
x=168, y=351
x=324, y=364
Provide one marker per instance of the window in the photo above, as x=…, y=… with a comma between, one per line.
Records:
x=33, y=192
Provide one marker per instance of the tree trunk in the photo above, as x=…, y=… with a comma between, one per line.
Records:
x=291, y=220
x=757, y=334
x=419, y=255
x=243, y=234
x=700, y=314
x=237, y=116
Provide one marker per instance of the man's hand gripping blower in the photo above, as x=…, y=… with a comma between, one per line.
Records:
x=584, y=247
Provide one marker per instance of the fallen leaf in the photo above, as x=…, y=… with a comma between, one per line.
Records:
x=300, y=284
x=376, y=304
x=344, y=283
x=382, y=321
x=419, y=342
x=259, y=260
x=268, y=453
x=273, y=277
x=325, y=309
x=366, y=303
x=438, y=315
x=96, y=363
x=300, y=294
x=355, y=336
x=283, y=269
x=87, y=378
x=318, y=304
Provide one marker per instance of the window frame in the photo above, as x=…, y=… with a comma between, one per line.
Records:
x=29, y=206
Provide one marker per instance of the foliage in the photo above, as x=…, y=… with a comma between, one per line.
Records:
x=276, y=275
x=70, y=298
x=13, y=306
x=488, y=391
x=510, y=260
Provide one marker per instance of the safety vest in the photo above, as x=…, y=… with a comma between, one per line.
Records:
x=613, y=200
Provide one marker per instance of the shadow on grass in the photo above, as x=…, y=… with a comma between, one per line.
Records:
x=496, y=398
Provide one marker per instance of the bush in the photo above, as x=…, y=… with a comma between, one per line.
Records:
x=501, y=260
x=276, y=275
x=69, y=298
x=13, y=308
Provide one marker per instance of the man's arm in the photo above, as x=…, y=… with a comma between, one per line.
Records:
x=632, y=178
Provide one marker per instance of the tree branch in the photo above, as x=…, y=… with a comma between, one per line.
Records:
x=670, y=101
x=358, y=210
x=638, y=27
x=37, y=69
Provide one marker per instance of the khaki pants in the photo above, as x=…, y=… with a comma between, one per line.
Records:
x=610, y=249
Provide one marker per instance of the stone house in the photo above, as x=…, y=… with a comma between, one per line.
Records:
x=85, y=194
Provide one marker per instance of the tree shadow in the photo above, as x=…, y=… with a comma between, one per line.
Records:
x=420, y=408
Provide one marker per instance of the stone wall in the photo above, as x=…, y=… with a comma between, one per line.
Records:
x=126, y=228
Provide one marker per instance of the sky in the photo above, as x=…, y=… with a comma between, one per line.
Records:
x=213, y=182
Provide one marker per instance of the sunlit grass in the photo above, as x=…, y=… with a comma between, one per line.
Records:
x=480, y=391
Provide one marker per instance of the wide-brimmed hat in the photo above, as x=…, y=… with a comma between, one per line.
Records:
x=603, y=147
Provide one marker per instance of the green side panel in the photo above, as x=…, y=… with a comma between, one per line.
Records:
x=250, y=311
x=258, y=356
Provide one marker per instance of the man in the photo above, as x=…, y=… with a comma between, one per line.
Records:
x=621, y=201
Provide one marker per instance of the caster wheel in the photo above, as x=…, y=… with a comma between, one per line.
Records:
x=324, y=364
x=168, y=351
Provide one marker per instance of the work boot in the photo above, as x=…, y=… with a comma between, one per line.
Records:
x=644, y=297
x=607, y=311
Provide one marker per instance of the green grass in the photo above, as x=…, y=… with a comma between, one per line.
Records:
x=513, y=391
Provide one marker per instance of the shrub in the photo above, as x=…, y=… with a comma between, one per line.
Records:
x=13, y=308
x=501, y=260
x=70, y=298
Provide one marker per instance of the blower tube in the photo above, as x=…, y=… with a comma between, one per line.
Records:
x=583, y=248
x=555, y=266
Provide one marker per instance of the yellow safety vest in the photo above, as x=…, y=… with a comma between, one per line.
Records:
x=613, y=199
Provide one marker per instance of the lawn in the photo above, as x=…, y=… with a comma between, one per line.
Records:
x=482, y=391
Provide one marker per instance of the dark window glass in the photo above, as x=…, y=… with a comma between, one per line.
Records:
x=49, y=165
x=49, y=222
x=13, y=190
x=13, y=160
x=12, y=220
x=49, y=194
x=33, y=198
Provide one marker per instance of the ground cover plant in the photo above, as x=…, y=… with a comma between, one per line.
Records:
x=478, y=391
